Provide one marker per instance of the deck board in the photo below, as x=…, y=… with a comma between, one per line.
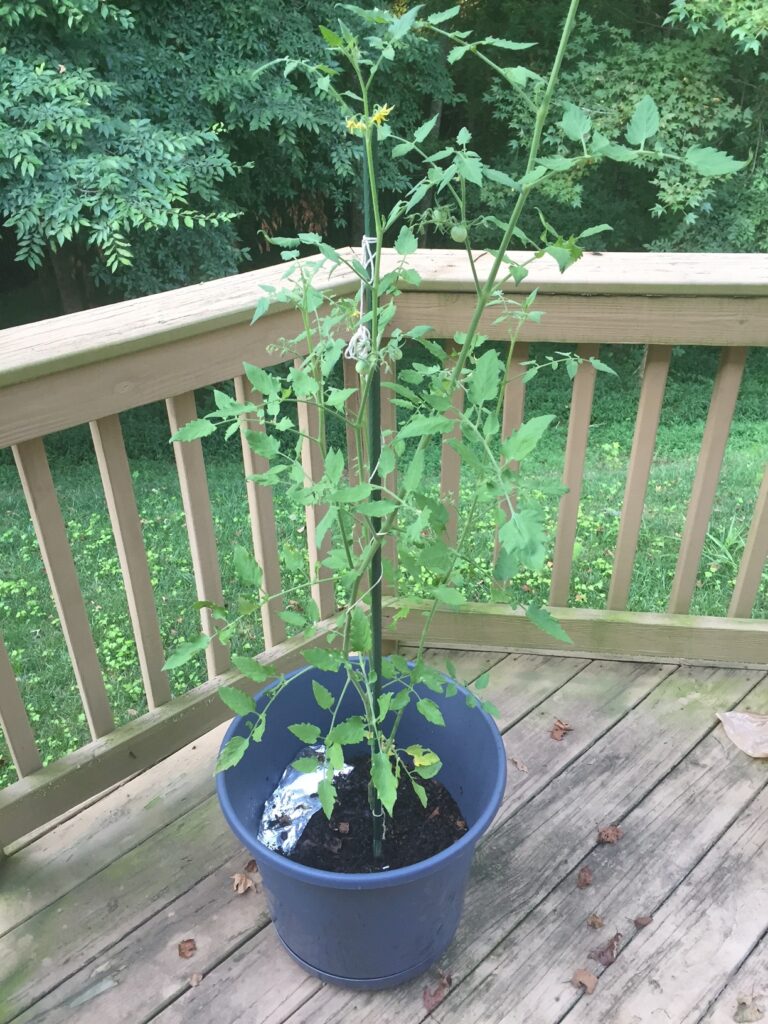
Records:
x=645, y=750
x=665, y=836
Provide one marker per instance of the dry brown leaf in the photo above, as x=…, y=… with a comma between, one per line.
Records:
x=251, y=868
x=242, y=883
x=559, y=729
x=187, y=948
x=584, y=877
x=643, y=921
x=584, y=979
x=748, y=1010
x=595, y=921
x=609, y=834
x=748, y=731
x=432, y=997
x=344, y=828
x=521, y=767
x=195, y=980
x=606, y=954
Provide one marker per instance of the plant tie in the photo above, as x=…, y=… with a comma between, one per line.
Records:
x=359, y=347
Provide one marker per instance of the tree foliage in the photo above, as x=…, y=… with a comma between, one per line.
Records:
x=145, y=143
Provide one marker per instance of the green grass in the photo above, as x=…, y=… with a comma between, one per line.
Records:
x=30, y=625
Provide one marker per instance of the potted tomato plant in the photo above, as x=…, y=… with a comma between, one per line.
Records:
x=405, y=766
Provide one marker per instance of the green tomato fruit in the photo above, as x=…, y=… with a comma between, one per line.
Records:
x=459, y=233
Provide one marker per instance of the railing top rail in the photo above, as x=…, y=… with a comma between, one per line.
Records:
x=77, y=339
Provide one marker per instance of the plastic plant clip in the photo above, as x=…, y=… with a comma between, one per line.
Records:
x=748, y=731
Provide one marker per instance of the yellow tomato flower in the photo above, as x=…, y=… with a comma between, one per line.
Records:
x=381, y=114
x=355, y=124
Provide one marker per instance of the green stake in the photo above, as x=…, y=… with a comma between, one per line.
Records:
x=374, y=453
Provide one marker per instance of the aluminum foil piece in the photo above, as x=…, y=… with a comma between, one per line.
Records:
x=293, y=802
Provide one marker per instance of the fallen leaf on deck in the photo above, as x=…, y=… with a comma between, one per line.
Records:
x=584, y=877
x=609, y=834
x=242, y=883
x=187, y=947
x=643, y=921
x=518, y=764
x=749, y=732
x=432, y=997
x=595, y=921
x=748, y=1010
x=584, y=979
x=606, y=954
x=195, y=980
x=251, y=868
x=559, y=729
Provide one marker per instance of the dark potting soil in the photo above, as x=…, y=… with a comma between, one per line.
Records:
x=343, y=842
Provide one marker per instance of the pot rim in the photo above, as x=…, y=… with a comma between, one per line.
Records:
x=374, y=879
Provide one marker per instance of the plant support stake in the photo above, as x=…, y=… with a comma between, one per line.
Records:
x=374, y=454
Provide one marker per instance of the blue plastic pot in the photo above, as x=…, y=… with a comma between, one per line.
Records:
x=367, y=931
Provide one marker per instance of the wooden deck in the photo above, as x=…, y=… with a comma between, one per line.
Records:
x=93, y=909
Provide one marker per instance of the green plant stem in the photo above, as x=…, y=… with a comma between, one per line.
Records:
x=487, y=290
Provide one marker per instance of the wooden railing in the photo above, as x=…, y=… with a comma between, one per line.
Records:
x=90, y=367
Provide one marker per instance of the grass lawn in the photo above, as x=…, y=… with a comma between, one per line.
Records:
x=30, y=625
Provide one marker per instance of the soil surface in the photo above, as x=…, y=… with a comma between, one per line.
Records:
x=343, y=842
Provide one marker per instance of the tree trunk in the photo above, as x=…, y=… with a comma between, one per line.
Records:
x=66, y=270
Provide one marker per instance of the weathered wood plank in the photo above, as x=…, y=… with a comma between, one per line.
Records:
x=517, y=683
x=699, y=936
x=132, y=979
x=665, y=836
x=41, y=872
x=67, y=397
x=42, y=952
x=138, y=325
x=643, y=446
x=573, y=475
x=599, y=319
x=322, y=587
x=521, y=861
x=126, y=527
x=713, y=443
x=754, y=558
x=36, y=799
x=512, y=415
x=749, y=985
x=258, y=982
x=193, y=483
x=14, y=721
x=51, y=533
x=699, y=638
x=263, y=528
x=450, y=460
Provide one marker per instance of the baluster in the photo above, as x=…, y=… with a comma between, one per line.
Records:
x=754, y=558
x=199, y=519
x=263, y=529
x=126, y=527
x=450, y=460
x=14, y=720
x=643, y=445
x=721, y=408
x=512, y=415
x=312, y=463
x=44, y=509
x=573, y=475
